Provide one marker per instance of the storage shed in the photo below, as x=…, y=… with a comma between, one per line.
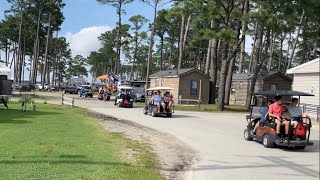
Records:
x=266, y=81
x=186, y=83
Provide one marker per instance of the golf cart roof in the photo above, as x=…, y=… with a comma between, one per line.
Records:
x=125, y=87
x=282, y=93
x=159, y=88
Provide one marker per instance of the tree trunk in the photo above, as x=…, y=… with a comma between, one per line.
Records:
x=253, y=48
x=287, y=55
x=45, y=65
x=229, y=82
x=161, y=52
x=271, y=52
x=181, y=42
x=134, y=56
x=153, y=33
x=206, y=71
x=171, y=55
x=117, y=62
x=213, y=71
x=295, y=41
x=19, y=59
x=186, y=33
x=280, y=53
x=257, y=64
x=223, y=76
x=244, y=28
x=36, y=50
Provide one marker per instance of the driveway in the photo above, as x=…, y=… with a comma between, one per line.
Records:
x=218, y=139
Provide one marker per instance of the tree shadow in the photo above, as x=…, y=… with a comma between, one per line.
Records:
x=17, y=116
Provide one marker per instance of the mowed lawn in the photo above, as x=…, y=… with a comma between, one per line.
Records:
x=63, y=143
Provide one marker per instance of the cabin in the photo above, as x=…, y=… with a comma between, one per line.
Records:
x=306, y=78
x=189, y=84
x=265, y=81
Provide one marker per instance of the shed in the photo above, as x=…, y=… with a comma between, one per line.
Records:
x=185, y=82
x=306, y=79
x=266, y=81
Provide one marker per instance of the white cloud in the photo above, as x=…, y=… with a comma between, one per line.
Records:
x=86, y=40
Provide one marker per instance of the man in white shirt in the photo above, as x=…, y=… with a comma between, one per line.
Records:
x=296, y=113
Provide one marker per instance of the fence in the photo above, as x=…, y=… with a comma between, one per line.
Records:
x=311, y=109
x=64, y=100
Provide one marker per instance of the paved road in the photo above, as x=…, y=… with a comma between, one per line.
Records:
x=223, y=152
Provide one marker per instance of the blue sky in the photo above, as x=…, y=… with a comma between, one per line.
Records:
x=85, y=20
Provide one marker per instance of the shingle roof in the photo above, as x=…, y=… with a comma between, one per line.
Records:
x=171, y=72
x=262, y=75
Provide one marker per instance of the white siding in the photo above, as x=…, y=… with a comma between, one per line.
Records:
x=305, y=83
x=310, y=68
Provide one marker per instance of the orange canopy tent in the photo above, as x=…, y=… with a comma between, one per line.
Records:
x=103, y=77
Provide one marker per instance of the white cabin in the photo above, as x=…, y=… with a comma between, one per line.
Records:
x=306, y=79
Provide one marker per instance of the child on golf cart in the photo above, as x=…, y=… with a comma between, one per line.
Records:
x=167, y=101
x=263, y=112
x=276, y=113
x=296, y=114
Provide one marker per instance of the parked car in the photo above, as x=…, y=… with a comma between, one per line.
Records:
x=71, y=90
x=139, y=94
x=25, y=87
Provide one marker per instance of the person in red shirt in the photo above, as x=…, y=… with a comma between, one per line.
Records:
x=276, y=111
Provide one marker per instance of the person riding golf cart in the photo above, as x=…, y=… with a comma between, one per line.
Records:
x=268, y=132
x=86, y=91
x=124, y=97
x=159, y=105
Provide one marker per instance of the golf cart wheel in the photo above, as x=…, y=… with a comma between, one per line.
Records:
x=300, y=147
x=169, y=115
x=145, y=111
x=153, y=113
x=267, y=141
x=246, y=135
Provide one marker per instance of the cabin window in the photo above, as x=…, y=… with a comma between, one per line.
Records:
x=193, y=87
x=3, y=77
x=273, y=87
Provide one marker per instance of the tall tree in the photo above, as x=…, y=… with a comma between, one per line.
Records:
x=118, y=4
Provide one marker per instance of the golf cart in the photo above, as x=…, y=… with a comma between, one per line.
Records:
x=151, y=108
x=267, y=133
x=86, y=91
x=124, y=97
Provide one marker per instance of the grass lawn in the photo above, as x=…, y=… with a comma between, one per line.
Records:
x=203, y=108
x=62, y=143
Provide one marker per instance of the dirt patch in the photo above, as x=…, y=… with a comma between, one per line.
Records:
x=173, y=155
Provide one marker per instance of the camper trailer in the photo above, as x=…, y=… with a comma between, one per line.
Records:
x=5, y=82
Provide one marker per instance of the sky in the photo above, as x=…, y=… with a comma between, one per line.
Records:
x=86, y=20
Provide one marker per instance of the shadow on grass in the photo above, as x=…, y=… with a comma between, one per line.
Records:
x=16, y=116
x=63, y=162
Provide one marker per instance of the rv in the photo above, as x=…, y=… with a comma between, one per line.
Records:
x=5, y=82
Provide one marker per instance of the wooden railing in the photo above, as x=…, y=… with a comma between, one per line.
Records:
x=64, y=100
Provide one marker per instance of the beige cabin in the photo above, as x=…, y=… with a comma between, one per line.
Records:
x=186, y=83
x=266, y=81
x=306, y=79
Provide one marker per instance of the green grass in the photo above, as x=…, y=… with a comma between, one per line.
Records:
x=62, y=143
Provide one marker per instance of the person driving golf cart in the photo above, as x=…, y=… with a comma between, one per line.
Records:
x=263, y=112
x=121, y=92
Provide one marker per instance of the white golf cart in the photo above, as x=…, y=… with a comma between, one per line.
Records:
x=151, y=107
x=124, y=97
